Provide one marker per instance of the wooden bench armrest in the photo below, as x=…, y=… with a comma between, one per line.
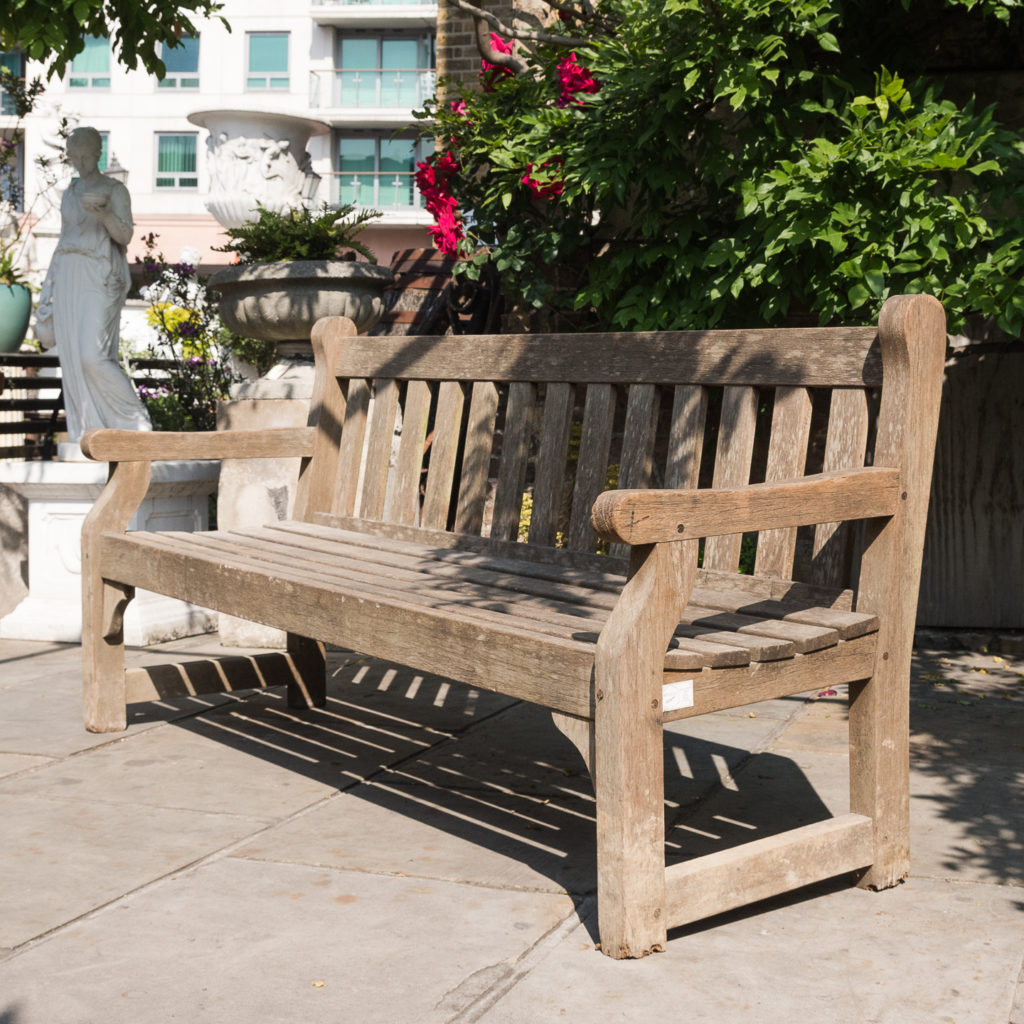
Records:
x=158, y=446
x=656, y=516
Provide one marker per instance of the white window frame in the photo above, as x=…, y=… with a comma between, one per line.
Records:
x=193, y=176
x=98, y=81
x=426, y=77
x=267, y=77
x=420, y=149
x=186, y=80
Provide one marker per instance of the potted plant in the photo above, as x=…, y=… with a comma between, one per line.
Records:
x=297, y=266
x=15, y=294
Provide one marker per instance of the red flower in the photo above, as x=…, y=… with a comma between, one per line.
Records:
x=433, y=178
x=573, y=78
x=542, y=190
x=491, y=73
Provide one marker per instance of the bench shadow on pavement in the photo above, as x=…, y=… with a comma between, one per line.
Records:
x=497, y=773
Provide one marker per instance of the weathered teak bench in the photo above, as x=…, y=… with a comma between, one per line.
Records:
x=400, y=549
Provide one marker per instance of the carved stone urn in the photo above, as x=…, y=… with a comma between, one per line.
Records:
x=281, y=302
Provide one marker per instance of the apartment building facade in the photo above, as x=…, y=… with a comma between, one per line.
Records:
x=359, y=67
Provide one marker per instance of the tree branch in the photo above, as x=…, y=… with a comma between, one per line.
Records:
x=528, y=35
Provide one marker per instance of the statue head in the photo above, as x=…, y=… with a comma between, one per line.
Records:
x=87, y=141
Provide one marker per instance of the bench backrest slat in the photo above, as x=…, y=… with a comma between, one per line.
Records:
x=404, y=496
x=552, y=460
x=476, y=458
x=686, y=435
x=350, y=452
x=808, y=357
x=592, y=462
x=736, y=429
x=377, y=460
x=512, y=467
x=444, y=454
x=845, y=447
x=787, y=458
x=512, y=438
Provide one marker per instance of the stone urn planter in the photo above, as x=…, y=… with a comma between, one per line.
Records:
x=15, y=311
x=281, y=302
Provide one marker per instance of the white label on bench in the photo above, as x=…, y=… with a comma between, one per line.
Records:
x=677, y=695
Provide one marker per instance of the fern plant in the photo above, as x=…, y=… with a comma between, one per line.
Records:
x=301, y=234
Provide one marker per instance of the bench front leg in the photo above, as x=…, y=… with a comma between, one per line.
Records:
x=104, y=600
x=628, y=768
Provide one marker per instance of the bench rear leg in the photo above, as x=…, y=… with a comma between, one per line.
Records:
x=307, y=686
x=880, y=766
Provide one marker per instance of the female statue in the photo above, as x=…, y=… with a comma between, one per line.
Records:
x=84, y=291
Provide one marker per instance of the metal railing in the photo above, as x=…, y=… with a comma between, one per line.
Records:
x=390, y=88
x=32, y=402
x=381, y=190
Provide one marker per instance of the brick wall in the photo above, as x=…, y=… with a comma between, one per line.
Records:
x=457, y=54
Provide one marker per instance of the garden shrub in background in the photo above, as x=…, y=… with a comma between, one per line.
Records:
x=700, y=163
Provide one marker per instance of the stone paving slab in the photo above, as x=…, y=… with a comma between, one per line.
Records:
x=63, y=858
x=426, y=851
x=240, y=941
x=929, y=952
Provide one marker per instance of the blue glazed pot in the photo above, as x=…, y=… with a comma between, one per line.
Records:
x=15, y=310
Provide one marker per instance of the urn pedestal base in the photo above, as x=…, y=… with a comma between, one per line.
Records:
x=59, y=495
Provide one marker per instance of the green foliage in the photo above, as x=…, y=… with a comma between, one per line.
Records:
x=742, y=161
x=53, y=31
x=301, y=234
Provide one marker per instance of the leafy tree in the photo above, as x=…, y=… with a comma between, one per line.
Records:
x=53, y=31
x=693, y=163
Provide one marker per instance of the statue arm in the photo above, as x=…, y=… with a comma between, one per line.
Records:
x=116, y=216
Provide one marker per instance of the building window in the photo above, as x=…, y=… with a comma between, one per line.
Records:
x=268, y=60
x=91, y=68
x=176, y=160
x=15, y=63
x=377, y=171
x=182, y=63
x=384, y=71
x=104, y=151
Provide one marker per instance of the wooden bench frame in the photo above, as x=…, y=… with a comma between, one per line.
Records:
x=607, y=696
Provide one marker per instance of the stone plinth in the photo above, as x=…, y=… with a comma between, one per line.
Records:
x=59, y=496
x=255, y=492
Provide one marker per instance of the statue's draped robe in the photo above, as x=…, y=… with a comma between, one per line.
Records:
x=89, y=281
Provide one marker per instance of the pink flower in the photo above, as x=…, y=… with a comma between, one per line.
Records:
x=459, y=107
x=573, y=78
x=491, y=73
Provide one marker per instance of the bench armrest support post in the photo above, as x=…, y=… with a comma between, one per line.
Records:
x=628, y=774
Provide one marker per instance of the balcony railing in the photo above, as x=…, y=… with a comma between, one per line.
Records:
x=402, y=88
x=381, y=190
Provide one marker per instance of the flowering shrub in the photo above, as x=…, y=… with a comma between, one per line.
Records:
x=693, y=163
x=189, y=334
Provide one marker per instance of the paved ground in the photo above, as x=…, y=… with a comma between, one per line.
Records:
x=420, y=852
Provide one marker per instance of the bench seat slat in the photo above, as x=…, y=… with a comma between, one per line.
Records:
x=547, y=670
x=573, y=611
x=809, y=626
x=803, y=637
